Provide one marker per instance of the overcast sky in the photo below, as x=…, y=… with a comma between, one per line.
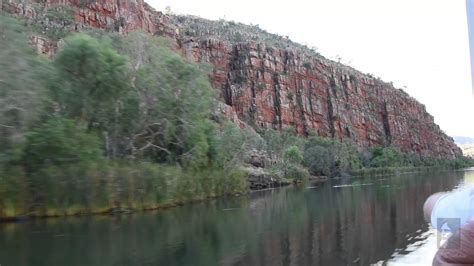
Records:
x=418, y=44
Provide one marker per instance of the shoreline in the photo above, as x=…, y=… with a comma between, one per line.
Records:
x=363, y=173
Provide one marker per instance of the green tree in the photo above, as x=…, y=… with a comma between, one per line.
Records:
x=92, y=78
x=386, y=157
x=60, y=142
x=318, y=159
x=230, y=144
x=293, y=155
x=175, y=99
x=330, y=157
x=292, y=164
x=296, y=173
x=92, y=87
x=23, y=77
x=227, y=144
x=346, y=157
x=279, y=141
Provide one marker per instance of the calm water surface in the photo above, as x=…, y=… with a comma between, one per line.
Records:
x=347, y=221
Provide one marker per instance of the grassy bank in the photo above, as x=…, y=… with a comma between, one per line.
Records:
x=388, y=171
x=121, y=187
x=109, y=188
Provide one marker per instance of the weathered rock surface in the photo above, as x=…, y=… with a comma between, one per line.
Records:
x=278, y=88
x=44, y=46
x=257, y=158
x=256, y=165
x=260, y=178
x=271, y=87
x=118, y=15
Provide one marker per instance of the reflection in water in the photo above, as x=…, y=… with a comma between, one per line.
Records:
x=340, y=222
x=419, y=253
x=422, y=251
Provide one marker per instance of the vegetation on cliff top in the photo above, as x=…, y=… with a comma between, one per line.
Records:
x=116, y=123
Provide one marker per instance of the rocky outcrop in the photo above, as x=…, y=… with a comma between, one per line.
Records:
x=259, y=178
x=118, y=15
x=257, y=158
x=257, y=168
x=122, y=15
x=267, y=81
x=44, y=46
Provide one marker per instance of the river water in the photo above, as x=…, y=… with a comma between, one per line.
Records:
x=345, y=221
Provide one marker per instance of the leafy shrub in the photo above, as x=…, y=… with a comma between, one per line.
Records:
x=293, y=155
x=58, y=142
x=92, y=77
x=318, y=159
x=296, y=173
x=277, y=142
x=230, y=144
x=385, y=157
x=23, y=87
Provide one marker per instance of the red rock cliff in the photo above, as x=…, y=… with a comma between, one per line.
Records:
x=271, y=87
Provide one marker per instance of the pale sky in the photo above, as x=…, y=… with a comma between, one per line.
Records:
x=418, y=44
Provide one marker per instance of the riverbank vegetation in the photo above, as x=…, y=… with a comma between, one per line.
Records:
x=119, y=123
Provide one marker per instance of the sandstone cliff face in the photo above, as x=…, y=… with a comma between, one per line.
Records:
x=278, y=85
x=279, y=88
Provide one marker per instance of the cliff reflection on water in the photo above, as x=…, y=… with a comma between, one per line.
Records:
x=353, y=221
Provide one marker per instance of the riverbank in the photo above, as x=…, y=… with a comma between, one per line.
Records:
x=107, y=212
x=388, y=171
x=154, y=187
x=110, y=187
